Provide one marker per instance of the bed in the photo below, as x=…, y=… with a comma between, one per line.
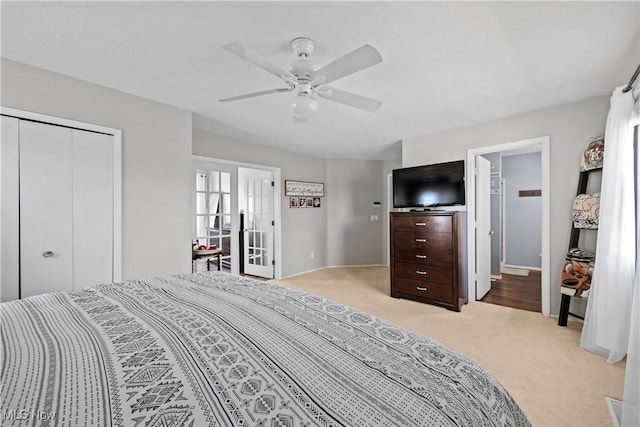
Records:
x=214, y=349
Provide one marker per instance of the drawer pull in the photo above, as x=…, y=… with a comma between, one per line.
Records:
x=421, y=272
x=421, y=256
x=421, y=240
x=421, y=288
x=421, y=224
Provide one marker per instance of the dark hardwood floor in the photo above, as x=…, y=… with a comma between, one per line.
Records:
x=521, y=292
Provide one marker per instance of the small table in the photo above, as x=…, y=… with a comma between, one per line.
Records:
x=208, y=255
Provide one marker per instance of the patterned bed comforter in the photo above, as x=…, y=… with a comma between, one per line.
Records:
x=212, y=349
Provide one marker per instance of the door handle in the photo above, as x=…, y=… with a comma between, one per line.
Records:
x=48, y=254
x=491, y=233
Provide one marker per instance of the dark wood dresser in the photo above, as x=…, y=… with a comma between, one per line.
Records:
x=428, y=257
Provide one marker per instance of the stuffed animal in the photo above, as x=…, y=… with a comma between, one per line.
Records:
x=577, y=276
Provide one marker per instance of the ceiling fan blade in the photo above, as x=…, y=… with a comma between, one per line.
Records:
x=254, y=94
x=361, y=58
x=259, y=60
x=350, y=99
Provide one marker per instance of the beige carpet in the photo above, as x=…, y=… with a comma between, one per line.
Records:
x=554, y=381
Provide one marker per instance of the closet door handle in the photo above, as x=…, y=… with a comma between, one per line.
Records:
x=421, y=240
x=48, y=254
x=421, y=256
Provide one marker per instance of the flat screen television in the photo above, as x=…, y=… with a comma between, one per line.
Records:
x=440, y=184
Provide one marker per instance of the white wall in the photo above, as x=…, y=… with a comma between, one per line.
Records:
x=388, y=167
x=352, y=188
x=569, y=128
x=523, y=215
x=341, y=231
x=156, y=147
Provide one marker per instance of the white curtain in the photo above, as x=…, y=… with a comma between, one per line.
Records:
x=607, y=319
x=631, y=404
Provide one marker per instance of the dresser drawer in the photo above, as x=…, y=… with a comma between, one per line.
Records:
x=429, y=290
x=423, y=240
x=421, y=272
x=435, y=223
x=426, y=255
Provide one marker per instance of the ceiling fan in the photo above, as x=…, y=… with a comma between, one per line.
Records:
x=308, y=80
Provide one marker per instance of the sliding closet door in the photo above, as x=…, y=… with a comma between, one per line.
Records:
x=46, y=231
x=9, y=193
x=66, y=208
x=92, y=208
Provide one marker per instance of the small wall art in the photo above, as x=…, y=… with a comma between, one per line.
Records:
x=304, y=202
x=303, y=188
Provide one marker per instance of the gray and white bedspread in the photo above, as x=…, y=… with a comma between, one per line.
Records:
x=212, y=349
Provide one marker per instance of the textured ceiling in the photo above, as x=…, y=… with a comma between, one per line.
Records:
x=446, y=64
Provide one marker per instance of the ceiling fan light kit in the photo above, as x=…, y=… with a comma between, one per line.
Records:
x=307, y=79
x=303, y=106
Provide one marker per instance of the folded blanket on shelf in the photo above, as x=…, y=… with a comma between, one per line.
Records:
x=586, y=211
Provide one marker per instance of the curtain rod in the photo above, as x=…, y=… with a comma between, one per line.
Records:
x=633, y=79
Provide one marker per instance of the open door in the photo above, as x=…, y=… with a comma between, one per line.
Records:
x=483, y=227
x=259, y=222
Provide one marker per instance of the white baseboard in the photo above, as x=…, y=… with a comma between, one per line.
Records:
x=356, y=266
x=615, y=410
x=333, y=266
x=521, y=267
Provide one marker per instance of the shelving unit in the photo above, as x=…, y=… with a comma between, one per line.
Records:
x=574, y=239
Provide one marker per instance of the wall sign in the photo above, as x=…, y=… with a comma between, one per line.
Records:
x=529, y=193
x=302, y=188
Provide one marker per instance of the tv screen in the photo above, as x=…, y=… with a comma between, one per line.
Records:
x=440, y=184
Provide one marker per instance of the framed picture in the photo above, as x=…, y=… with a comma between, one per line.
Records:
x=294, y=202
x=303, y=188
x=303, y=202
x=316, y=202
x=310, y=202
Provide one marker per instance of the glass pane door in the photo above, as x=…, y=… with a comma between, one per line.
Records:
x=258, y=233
x=213, y=212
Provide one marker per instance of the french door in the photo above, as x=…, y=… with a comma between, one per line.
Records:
x=214, y=209
x=222, y=192
x=258, y=187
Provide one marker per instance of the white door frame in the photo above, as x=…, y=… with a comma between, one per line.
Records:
x=277, y=210
x=543, y=143
x=117, y=175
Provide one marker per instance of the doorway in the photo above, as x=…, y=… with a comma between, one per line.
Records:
x=523, y=275
x=236, y=208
